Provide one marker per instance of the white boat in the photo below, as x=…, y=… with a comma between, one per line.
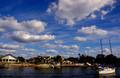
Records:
x=106, y=70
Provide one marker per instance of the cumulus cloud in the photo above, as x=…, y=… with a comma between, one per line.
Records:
x=48, y=46
x=87, y=47
x=26, y=37
x=32, y=54
x=106, y=50
x=59, y=41
x=104, y=13
x=23, y=55
x=70, y=11
x=52, y=6
x=92, y=51
x=14, y=48
x=10, y=46
x=73, y=48
x=30, y=50
x=93, y=15
x=8, y=23
x=65, y=56
x=52, y=51
x=68, y=53
x=8, y=51
x=80, y=39
x=93, y=30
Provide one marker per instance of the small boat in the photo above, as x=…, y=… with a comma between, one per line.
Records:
x=106, y=70
x=58, y=65
x=52, y=66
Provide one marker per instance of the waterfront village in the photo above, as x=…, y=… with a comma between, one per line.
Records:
x=49, y=61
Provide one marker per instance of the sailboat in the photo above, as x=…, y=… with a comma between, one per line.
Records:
x=106, y=69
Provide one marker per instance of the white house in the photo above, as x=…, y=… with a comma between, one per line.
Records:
x=48, y=58
x=8, y=58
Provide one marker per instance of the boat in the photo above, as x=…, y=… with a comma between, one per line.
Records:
x=58, y=65
x=106, y=69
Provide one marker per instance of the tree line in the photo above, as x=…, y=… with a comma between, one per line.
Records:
x=99, y=59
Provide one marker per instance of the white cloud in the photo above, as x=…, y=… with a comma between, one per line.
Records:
x=7, y=51
x=104, y=13
x=93, y=15
x=52, y=51
x=53, y=6
x=30, y=50
x=92, y=30
x=2, y=30
x=73, y=48
x=65, y=56
x=59, y=41
x=87, y=47
x=49, y=10
x=48, y=46
x=26, y=37
x=10, y=46
x=80, y=39
x=70, y=11
x=106, y=50
x=68, y=53
x=32, y=54
x=23, y=55
x=7, y=23
x=42, y=53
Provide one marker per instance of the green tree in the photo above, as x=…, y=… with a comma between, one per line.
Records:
x=111, y=59
x=57, y=58
x=21, y=59
x=100, y=58
x=75, y=60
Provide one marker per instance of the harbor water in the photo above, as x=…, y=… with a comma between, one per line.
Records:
x=67, y=72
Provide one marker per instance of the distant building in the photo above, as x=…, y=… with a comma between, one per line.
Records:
x=8, y=58
x=62, y=60
x=48, y=58
x=67, y=62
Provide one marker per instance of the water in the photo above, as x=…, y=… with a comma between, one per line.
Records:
x=68, y=72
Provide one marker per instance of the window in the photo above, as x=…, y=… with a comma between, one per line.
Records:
x=6, y=59
x=3, y=59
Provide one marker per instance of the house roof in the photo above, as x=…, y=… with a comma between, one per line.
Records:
x=1, y=56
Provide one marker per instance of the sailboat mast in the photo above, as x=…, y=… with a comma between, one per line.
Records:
x=101, y=46
x=110, y=46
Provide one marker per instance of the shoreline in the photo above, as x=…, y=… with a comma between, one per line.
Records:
x=42, y=65
x=26, y=65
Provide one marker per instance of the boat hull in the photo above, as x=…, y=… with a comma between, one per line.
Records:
x=107, y=71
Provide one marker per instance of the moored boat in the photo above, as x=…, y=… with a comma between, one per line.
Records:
x=106, y=70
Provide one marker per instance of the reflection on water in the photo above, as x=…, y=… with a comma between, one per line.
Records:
x=68, y=72
x=108, y=76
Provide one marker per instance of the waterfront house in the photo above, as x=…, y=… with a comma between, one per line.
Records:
x=48, y=59
x=67, y=62
x=8, y=58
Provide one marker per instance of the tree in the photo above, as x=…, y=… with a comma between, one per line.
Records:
x=111, y=59
x=21, y=59
x=86, y=58
x=100, y=58
x=73, y=59
x=57, y=58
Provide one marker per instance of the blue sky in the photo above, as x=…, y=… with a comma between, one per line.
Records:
x=59, y=27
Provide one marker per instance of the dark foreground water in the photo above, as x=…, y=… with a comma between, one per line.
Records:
x=69, y=72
